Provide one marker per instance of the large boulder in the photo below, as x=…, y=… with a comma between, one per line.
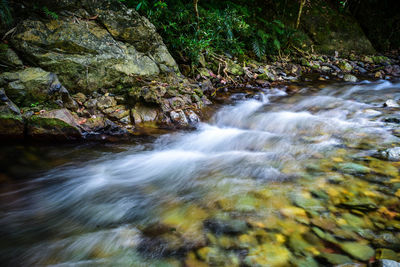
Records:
x=34, y=85
x=104, y=46
x=331, y=30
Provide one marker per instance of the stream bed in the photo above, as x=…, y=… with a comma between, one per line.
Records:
x=306, y=179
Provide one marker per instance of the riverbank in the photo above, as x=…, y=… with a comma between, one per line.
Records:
x=160, y=106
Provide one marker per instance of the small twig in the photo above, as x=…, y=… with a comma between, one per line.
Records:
x=218, y=88
x=9, y=32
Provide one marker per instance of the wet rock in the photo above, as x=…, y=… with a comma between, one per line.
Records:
x=247, y=241
x=112, y=129
x=324, y=235
x=309, y=204
x=221, y=226
x=387, y=240
x=187, y=223
x=335, y=259
x=387, y=263
x=192, y=261
x=326, y=69
x=392, y=154
x=350, y=78
x=383, y=253
x=360, y=69
x=227, y=242
x=216, y=257
x=353, y=168
x=178, y=117
x=331, y=67
x=324, y=223
x=307, y=262
x=383, y=167
x=357, y=250
x=192, y=117
x=54, y=124
x=293, y=212
x=359, y=204
x=268, y=255
x=301, y=246
x=391, y=104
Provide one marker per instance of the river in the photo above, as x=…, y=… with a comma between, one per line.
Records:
x=269, y=180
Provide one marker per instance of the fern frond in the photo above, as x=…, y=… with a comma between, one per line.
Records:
x=258, y=49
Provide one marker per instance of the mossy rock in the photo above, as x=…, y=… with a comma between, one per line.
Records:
x=357, y=250
x=11, y=126
x=115, y=49
x=55, y=124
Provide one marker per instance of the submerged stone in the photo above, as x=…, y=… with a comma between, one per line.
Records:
x=335, y=259
x=362, y=204
x=357, y=250
x=268, y=255
x=217, y=257
x=384, y=253
x=353, y=168
x=220, y=226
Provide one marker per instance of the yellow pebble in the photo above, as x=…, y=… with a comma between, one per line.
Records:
x=335, y=159
x=280, y=238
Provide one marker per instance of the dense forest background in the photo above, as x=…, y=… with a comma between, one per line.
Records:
x=259, y=29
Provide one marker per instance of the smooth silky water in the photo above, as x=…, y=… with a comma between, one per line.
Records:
x=269, y=179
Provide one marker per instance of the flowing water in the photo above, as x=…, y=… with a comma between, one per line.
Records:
x=269, y=180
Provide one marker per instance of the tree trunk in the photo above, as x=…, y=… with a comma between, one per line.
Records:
x=302, y=3
x=196, y=10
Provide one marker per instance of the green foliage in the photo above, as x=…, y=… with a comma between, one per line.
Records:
x=34, y=104
x=49, y=13
x=223, y=27
x=5, y=13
